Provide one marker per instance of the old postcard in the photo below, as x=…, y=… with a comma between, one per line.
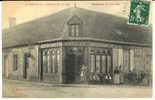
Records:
x=77, y=49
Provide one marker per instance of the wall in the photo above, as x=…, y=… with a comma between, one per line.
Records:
x=142, y=61
x=33, y=64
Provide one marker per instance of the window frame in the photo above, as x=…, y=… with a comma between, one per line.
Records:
x=15, y=62
x=50, y=60
x=101, y=54
x=75, y=30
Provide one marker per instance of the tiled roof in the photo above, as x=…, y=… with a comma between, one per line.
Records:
x=96, y=25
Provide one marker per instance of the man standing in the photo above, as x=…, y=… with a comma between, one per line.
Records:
x=83, y=73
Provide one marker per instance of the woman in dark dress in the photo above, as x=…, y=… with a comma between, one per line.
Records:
x=116, y=76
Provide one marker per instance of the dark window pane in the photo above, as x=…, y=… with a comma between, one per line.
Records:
x=15, y=62
x=53, y=62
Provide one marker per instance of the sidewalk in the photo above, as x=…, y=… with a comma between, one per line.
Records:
x=71, y=85
x=27, y=89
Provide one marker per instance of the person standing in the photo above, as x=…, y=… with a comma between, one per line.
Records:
x=116, y=76
x=121, y=75
x=83, y=73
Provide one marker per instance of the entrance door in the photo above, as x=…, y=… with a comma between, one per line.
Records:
x=78, y=63
x=73, y=63
x=26, y=65
x=70, y=68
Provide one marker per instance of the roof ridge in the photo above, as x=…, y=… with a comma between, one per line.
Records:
x=71, y=10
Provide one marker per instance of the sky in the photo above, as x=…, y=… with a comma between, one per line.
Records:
x=29, y=10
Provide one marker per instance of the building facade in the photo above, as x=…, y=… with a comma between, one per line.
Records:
x=54, y=48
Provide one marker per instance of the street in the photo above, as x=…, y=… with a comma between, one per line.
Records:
x=21, y=89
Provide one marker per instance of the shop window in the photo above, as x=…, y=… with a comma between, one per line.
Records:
x=92, y=58
x=51, y=60
x=15, y=62
x=120, y=57
x=56, y=64
x=58, y=60
x=45, y=62
x=108, y=64
x=103, y=69
x=53, y=63
x=98, y=63
x=126, y=60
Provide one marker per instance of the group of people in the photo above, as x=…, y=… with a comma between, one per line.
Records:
x=118, y=77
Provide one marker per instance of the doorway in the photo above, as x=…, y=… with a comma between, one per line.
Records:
x=73, y=64
x=26, y=66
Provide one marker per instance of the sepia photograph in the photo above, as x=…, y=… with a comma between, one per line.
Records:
x=77, y=49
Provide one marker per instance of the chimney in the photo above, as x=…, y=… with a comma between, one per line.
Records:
x=12, y=22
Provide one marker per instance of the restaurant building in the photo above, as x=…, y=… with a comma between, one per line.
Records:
x=54, y=48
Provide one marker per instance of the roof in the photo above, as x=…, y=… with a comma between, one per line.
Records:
x=96, y=25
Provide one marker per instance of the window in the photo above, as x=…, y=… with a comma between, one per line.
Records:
x=50, y=61
x=45, y=63
x=58, y=60
x=120, y=57
x=103, y=64
x=15, y=62
x=92, y=58
x=126, y=60
x=131, y=60
x=100, y=61
x=75, y=30
x=108, y=64
x=53, y=61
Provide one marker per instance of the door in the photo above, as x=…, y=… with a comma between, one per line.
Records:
x=73, y=64
x=78, y=64
x=26, y=65
x=70, y=68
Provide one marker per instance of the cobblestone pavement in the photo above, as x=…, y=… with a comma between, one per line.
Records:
x=13, y=88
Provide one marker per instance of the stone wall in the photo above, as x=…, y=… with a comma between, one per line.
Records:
x=32, y=71
x=142, y=59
